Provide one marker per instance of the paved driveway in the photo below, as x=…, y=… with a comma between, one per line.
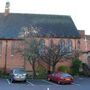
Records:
x=79, y=84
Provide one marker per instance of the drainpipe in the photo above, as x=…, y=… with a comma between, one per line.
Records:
x=24, y=63
x=5, y=67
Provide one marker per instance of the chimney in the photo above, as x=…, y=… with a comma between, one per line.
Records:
x=82, y=33
x=7, y=9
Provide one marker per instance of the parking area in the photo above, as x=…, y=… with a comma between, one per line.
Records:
x=29, y=82
x=79, y=84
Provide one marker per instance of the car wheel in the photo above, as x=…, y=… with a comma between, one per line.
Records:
x=71, y=83
x=25, y=80
x=49, y=79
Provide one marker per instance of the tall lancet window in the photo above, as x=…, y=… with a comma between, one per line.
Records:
x=41, y=46
x=69, y=45
x=0, y=48
x=62, y=46
x=78, y=44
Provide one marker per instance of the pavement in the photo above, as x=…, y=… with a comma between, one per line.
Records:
x=79, y=84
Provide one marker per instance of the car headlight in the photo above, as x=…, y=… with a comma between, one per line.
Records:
x=15, y=74
x=24, y=74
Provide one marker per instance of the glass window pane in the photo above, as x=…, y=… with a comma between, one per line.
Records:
x=69, y=46
x=78, y=44
x=0, y=47
x=62, y=46
x=41, y=47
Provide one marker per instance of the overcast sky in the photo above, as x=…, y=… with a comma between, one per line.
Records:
x=79, y=10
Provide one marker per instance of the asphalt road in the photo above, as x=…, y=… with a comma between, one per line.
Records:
x=79, y=84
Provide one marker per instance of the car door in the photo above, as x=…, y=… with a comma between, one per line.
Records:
x=56, y=77
x=53, y=76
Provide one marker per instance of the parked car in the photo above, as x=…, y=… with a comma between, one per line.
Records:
x=18, y=74
x=61, y=78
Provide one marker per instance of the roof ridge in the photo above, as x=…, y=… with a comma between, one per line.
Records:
x=39, y=14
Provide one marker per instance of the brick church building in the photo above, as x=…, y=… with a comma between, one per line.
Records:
x=57, y=26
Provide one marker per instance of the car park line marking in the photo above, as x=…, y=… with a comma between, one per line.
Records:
x=48, y=89
x=49, y=82
x=8, y=81
x=30, y=83
x=80, y=78
x=75, y=84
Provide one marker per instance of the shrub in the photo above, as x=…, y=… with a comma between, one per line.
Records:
x=63, y=68
x=41, y=72
x=76, y=63
x=3, y=74
x=86, y=70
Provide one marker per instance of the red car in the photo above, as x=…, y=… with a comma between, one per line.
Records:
x=61, y=78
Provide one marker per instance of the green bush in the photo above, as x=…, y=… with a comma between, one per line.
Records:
x=41, y=72
x=86, y=70
x=76, y=63
x=3, y=74
x=63, y=68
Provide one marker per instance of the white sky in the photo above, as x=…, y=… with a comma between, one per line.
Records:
x=79, y=10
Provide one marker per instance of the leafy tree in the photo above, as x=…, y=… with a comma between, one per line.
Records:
x=76, y=63
x=41, y=71
x=29, y=48
x=64, y=68
x=31, y=54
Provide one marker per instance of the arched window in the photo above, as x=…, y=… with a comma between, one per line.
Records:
x=62, y=46
x=78, y=45
x=0, y=48
x=69, y=45
x=41, y=46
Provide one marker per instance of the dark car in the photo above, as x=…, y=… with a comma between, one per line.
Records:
x=18, y=74
x=61, y=78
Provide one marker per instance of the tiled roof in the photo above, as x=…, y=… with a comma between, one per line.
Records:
x=57, y=25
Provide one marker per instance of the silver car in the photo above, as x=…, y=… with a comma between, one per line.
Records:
x=18, y=74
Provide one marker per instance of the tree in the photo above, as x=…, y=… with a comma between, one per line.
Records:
x=52, y=55
x=76, y=63
x=77, y=53
x=30, y=46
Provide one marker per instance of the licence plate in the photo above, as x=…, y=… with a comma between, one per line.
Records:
x=67, y=79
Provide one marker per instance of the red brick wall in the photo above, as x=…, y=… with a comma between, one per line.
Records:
x=17, y=60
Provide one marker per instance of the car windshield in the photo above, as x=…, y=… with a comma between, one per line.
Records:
x=65, y=75
x=21, y=71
